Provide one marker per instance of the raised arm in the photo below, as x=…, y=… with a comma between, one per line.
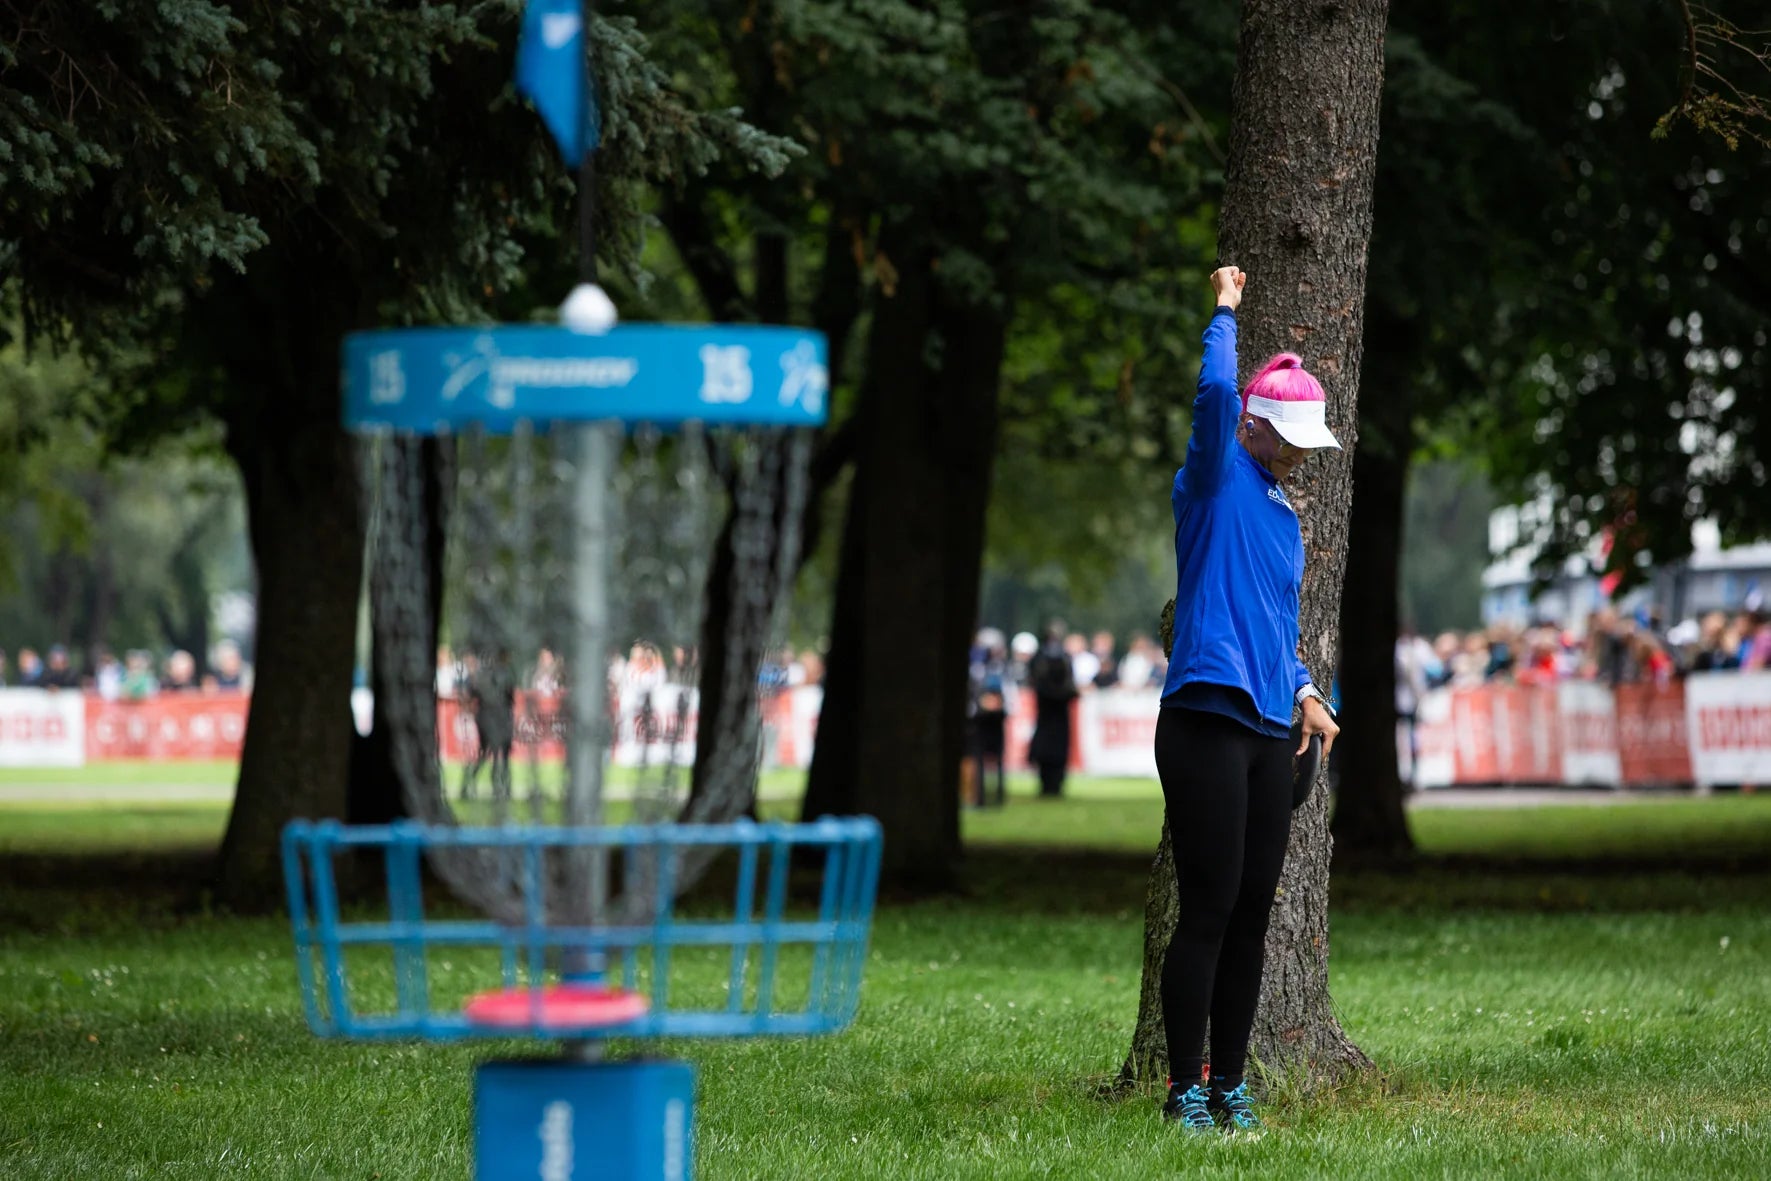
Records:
x=1218, y=403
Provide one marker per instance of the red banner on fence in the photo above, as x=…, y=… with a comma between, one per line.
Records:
x=1651, y=740
x=1708, y=729
x=171, y=726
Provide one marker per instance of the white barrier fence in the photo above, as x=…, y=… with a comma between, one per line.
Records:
x=42, y=728
x=1710, y=729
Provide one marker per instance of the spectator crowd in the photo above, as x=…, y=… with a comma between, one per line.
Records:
x=138, y=676
x=1616, y=649
x=1095, y=662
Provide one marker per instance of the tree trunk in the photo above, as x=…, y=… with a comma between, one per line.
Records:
x=375, y=794
x=1369, y=819
x=300, y=473
x=720, y=648
x=892, y=727
x=830, y=784
x=184, y=616
x=103, y=588
x=1297, y=218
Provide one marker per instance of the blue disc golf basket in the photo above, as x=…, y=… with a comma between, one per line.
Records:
x=754, y=967
x=561, y=952
x=556, y=964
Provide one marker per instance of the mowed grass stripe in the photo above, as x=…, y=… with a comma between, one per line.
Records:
x=1527, y=1022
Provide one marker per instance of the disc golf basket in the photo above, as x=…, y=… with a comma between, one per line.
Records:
x=599, y=525
x=604, y=495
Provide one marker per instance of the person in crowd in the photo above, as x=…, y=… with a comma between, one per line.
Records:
x=1651, y=659
x=644, y=671
x=181, y=673
x=1609, y=643
x=1707, y=653
x=1757, y=650
x=229, y=667
x=987, y=716
x=546, y=678
x=1223, y=748
x=490, y=696
x=1107, y=674
x=1446, y=647
x=1052, y=677
x=1022, y=649
x=107, y=675
x=1729, y=647
x=448, y=672
x=1542, y=664
x=1136, y=668
x=1416, y=667
x=1158, y=665
x=811, y=666
x=1084, y=664
x=30, y=668
x=139, y=682
x=1470, y=666
x=988, y=659
x=1746, y=623
x=58, y=670
x=1503, y=653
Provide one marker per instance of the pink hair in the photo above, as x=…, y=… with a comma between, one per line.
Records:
x=1283, y=379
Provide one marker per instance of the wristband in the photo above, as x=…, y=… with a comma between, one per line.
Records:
x=1308, y=691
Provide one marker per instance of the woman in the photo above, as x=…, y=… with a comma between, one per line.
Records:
x=1234, y=678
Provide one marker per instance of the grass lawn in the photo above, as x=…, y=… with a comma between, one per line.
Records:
x=1562, y=992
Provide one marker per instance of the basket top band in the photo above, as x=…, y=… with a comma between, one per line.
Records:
x=437, y=380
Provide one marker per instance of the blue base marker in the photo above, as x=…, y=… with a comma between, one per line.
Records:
x=560, y=1120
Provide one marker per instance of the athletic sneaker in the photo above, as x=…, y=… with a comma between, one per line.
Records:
x=1188, y=1108
x=1236, y=1106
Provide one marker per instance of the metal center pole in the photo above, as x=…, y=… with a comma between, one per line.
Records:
x=599, y=451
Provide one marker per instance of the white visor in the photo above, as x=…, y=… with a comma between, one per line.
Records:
x=1302, y=424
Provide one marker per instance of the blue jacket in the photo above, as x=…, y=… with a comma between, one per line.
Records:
x=1239, y=563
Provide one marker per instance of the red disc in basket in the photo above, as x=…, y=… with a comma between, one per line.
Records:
x=558, y=1006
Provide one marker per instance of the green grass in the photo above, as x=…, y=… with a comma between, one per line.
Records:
x=109, y=828
x=1531, y=1016
x=127, y=773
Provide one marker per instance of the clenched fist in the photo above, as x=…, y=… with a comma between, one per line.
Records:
x=1227, y=282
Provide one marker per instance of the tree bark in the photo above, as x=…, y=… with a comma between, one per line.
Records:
x=892, y=727
x=103, y=593
x=375, y=794
x=1296, y=217
x=830, y=787
x=300, y=472
x=1369, y=820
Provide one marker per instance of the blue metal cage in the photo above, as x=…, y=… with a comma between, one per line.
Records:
x=765, y=959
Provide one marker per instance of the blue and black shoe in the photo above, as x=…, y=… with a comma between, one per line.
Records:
x=1189, y=1108
x=1236, y=1106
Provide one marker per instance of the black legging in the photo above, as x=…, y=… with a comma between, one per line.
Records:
x=1228, y=791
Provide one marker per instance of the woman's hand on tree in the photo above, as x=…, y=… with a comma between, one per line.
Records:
x=1227, y=282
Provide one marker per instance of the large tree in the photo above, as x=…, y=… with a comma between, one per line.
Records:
x=1573, y=302
x=965, y=163
x=220, y=191
x=1297, y=216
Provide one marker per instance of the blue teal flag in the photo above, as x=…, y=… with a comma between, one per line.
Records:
x=551, y=71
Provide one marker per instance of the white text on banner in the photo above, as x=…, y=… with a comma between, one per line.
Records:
x=42, y=728
x=1590, y=757
x=1729, y=726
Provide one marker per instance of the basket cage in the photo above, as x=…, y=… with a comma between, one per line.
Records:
x=748, y=954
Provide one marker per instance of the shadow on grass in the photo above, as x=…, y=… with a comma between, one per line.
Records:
x=73, y=892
